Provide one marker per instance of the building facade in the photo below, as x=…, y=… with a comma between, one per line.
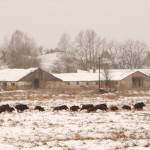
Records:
x=33, y=78
x=118, y=80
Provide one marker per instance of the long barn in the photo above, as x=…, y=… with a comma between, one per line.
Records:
x=12, y=79
x=118, y=79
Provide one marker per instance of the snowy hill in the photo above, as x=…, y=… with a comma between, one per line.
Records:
x=48, y=60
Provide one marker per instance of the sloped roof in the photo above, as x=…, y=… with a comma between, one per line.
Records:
x=14, y=74
x=115, y=75
x=77, y=76
x=145, y=71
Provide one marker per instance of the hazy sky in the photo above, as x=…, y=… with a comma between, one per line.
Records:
x=46, y=20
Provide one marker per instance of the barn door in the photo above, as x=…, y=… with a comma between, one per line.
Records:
x=137, y=82
x=36, y=83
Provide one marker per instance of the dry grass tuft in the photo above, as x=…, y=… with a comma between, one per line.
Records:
x=113, y=97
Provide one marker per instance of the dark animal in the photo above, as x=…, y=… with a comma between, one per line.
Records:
x=103, y=91
x=126, y=107
x=21, y=107
x=74, y=108
x=92, y=109
x=87, y=106
x=139, y=106
x=5, y=108
x=102, y=107
x=2, y=109
x=39, y=108
x=10, y=109
x=114, y=108
x=63, y=107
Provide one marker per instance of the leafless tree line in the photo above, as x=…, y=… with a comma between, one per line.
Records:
x=83, y=53
x=19, y=52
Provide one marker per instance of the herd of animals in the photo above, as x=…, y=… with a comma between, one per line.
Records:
x=87, y=107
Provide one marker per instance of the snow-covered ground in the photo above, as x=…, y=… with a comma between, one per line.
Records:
x=66, y=130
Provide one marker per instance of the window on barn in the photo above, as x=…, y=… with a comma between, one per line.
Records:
x=87, y=83
x=77, y=83
x=96, y=83
x=12, y=84
x=5, y=84
x=137, y=82
x=68, y=83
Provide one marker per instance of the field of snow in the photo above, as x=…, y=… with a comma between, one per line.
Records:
x=66, y=130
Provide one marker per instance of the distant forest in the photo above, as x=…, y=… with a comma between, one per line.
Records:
x=84, y=52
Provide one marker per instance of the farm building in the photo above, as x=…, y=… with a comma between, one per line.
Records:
x=12, y=79
x=114, y=79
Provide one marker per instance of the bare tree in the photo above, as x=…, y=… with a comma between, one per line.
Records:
x=88, y=46
x=147, y=60
x=132, y=54
x=66, y=61
x=113, y=51
x=3, y=53
x=80, y=51
x=21, y=51
x=107, y=75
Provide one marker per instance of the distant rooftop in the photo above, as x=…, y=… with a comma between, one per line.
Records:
x=115, y=75
x=14, y=74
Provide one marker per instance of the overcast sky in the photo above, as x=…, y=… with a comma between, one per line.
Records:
x=46, y=20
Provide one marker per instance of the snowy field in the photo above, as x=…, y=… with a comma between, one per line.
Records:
x=66, y=130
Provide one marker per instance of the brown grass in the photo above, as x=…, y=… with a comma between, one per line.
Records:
x=67, y=94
